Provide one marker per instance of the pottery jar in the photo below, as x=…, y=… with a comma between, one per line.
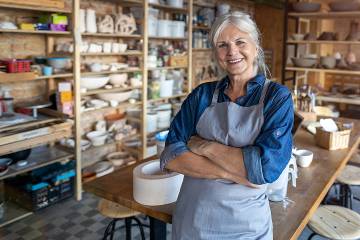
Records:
x=91, y=21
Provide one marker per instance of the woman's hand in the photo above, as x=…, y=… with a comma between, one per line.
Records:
x=198, y=145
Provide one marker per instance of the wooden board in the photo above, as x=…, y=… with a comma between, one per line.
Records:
x=312, y=185
x=41, y=3
x=17, y=77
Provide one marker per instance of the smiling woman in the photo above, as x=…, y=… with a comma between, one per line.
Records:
x=230, y=139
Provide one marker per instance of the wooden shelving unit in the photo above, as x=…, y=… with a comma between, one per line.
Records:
x=35, y=32
x=110, y=35
x=34, y=8
x=316, y=23
x=127, y=53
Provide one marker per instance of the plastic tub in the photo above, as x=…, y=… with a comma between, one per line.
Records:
x=178, y=29
x=164, y=28
x=175, y=3
x=152, y=26
x=166, y=88
x=151, y=122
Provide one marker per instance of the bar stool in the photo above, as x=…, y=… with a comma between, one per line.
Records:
x=117, y=212
x=350, y=176
x=335, y=222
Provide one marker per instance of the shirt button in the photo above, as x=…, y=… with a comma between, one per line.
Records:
x=278, y=133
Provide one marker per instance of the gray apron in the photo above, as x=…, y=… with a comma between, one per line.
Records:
x=220, y=209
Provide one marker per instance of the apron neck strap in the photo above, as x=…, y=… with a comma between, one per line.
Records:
x=216, y=94
x=264, y=90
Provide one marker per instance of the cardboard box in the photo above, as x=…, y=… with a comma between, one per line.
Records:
x=178, y=61
x=333, y=140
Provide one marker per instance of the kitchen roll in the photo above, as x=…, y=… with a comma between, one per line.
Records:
x=153, y=187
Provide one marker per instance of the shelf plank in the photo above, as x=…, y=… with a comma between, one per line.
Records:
x=167, y=68
x=169, y=38
x=166, y=98
x=39, y=157
x=168, y=8
x=202, y=49
x=127, y=70
x=34, y=142
x=111, y=35
x=35, y=32
x=34, y=8
x=323, y=42
x=29, y=76
x=339, y=99
x=321, y=15
x=333, y=71
x=60, y=75
x=12, y=213
x=112, y=90
x=126, y=53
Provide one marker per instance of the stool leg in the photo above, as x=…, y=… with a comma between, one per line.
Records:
x=107, y=230
x=140, y=228
x=311, y=236
x=113, y=229
x=351, y=196
x=128, y=228
x=342, y=195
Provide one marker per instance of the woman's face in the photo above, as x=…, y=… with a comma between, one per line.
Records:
x=236, y=51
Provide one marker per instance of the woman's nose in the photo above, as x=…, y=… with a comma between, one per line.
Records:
x=231, y=49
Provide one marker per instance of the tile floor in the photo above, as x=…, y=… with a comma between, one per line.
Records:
x=72, y=220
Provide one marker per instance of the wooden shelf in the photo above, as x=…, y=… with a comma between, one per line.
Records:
x=127, y=53
x=339, y=99
x=61, y=75
x=35, y=32
x=333, y=71
x=167, y=68
x=39, y=157
x=121, y=105
x=168, y=8
x=202, y=49
x=169, y=38
x=13, y=212
x=323, y=42
x=128, y=70
x=34, y=8
x=28, y=76
x=112, y=90
x=111, y=35
x=320, y=15
x=166, y=98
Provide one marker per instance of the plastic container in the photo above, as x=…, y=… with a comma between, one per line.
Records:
x=178, y=29
x=152, y=26
x=175, y=3
x=160, y=141
x=17, y=65
x=164, y=28
x=163, y=118
x=151, y=122
x=166, y=88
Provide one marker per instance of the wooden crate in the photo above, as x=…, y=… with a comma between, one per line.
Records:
x=332, y=140
x=41, y=3
x=178, y=61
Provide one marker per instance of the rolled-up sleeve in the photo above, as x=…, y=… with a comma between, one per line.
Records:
x=181, y=129
x=267, y=157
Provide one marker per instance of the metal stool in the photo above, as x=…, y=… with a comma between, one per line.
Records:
x=335, y=222
x=350, y=176
x=118, y=212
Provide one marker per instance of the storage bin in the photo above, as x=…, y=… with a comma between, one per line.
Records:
x=333, y=140
x=16, y=65
x=178, y=29
x=164, y=28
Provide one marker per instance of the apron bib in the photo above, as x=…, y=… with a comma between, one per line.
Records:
x=219, y=209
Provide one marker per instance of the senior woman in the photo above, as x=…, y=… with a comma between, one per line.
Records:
x=230, y=139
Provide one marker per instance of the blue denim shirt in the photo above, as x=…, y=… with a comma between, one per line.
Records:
x=271, y=151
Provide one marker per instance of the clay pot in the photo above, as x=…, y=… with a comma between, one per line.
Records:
x=306, y=7
x=304, y=62
x=350, y=58
x=310, y=37
x=328, y=36
x=344, y=6
x=354, y=33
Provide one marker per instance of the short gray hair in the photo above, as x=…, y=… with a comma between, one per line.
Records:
x=244, y=23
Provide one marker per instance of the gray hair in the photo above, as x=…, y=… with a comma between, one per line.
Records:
x=244, y=23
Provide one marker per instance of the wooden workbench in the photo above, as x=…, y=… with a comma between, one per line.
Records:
x=312, y=185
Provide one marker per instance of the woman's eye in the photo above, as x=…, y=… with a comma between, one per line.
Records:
x=222, y=45
x=239, y=43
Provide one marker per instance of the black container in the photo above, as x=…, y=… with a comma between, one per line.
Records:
x=18, y=156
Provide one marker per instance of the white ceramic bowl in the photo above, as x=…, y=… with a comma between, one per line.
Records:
x=93, y=82
x=97, y=138
x=303, y=157
x=122, y=47
x=119, y=97
x=298, y=36
x=118, y=79
x=118, y=158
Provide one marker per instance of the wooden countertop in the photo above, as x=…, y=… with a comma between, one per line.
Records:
x=312, y=185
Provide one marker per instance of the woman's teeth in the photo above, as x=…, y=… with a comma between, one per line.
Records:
x=235, y=61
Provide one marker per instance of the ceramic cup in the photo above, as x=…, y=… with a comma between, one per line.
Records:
x=115, y=48
x=47, y=70
x=303, y=157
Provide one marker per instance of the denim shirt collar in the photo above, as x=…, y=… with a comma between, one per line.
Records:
x=251, y=85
